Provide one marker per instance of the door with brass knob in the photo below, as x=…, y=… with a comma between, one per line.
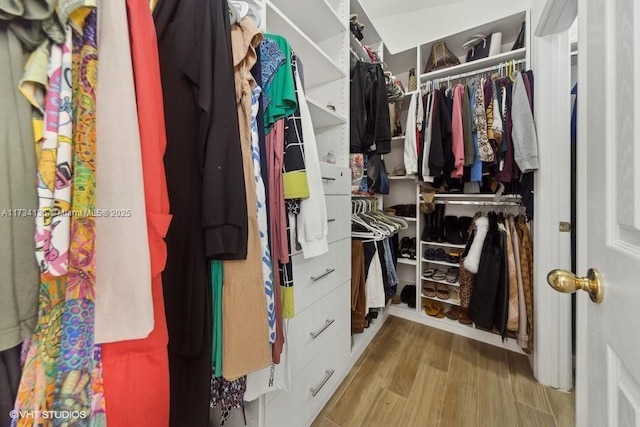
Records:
x=568, y=283
x=608, y=215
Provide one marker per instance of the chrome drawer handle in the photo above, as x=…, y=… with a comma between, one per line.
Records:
x=316, y=390
x=328, y=178
x=328, y=323
x=325, y=274
x=331, y=220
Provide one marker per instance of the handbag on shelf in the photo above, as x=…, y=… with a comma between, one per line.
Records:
x=519, y=43
x=413, y=81
x=440, y=57
x=377, y=175
x=477, y=47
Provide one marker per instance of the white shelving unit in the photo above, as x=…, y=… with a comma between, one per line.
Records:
x=318, y=34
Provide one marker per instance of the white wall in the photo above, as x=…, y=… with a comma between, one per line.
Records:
x=404, y=27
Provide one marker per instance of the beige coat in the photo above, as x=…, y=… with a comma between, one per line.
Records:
x=245, y=336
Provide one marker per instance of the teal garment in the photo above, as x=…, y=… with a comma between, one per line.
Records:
x=281, y=91
x=216, y=294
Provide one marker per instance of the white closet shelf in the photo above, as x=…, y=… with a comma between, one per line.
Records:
x=398, y=138
x=453, y=326
x=474, y=65
x=446, y=301
x=442, y=282
x=323, y=116
x=443, y=244
x=411, y=178
x=358, y=48
x=320, y=24
x=431, y=261
x=319, y=68
x=407, y=261
x=408, y=218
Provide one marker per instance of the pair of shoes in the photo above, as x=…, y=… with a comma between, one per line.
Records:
x=436, y=254
x=404, y=247
x=396, y=300
x=408, y=247
x=429, y=289
x=433, y=308
x=404, y=210
x=456, y=229
x=442, y=292
x=452, y=275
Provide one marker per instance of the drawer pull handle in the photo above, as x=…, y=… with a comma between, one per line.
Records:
x=325, y=274
x=315, y=390
x=328, y=178
x=331, y=220
x=328, y=323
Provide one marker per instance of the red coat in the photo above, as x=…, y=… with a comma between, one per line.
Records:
x=136, y=372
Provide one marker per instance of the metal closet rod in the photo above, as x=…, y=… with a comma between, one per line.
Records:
x=476, y=72
x=475, y=202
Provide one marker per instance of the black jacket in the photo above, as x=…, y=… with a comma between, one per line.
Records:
x=205, y=180
x=369, y=110
x=490, y=284
x=440, y=152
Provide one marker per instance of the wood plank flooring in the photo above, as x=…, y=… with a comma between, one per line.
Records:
x=416, y=376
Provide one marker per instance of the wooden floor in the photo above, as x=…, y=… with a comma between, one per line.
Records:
x=414, y=375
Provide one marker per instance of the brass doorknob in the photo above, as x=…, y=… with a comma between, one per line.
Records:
x=567, y=282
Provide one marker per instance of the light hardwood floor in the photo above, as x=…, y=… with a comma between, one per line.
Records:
x=414, y=375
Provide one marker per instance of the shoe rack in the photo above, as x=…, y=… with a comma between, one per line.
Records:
x=454, y=204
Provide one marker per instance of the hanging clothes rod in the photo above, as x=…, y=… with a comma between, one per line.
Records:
x=475, y=202
x=497, y=67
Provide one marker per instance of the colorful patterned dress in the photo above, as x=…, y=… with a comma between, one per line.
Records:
x=62, y=364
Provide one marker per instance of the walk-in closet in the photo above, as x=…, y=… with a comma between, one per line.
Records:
x=319, y=213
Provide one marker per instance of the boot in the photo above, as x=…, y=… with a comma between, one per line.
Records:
x=427, y=233
x=438, y=226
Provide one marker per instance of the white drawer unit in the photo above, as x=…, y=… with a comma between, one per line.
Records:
x=311, y=331
x=336, y=179
x=315, y=277
x=338, y=220
x=311, y=388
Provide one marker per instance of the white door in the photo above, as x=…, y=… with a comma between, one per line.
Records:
x=608, y=334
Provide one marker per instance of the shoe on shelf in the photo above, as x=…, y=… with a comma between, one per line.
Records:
x=464, y=317
x=429, y=289
x=454, y=312
x=465, y=223
x=452, y=275
x=396, y=300
x=452, y=230
x=404, y=246
x=442, y=292
x=438, y=224
x=413, y=248
x=429, y=272
x=439, y=275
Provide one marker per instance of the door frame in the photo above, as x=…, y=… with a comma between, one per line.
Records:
x=552, y=359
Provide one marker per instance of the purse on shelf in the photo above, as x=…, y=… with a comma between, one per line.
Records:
x=477, y=47
x=519, y=43
x=440, y=57
x=413, y=81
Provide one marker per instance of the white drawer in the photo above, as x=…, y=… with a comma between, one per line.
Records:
x=310, y=331
x=336, y=179
x=338, y=220
x=299, y=407
x=338, y=217
x=315, y=277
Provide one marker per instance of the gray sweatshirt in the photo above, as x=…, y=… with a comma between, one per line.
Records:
x=525, y=142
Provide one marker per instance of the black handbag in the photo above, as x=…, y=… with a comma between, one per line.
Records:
x=519, y=43
x=479, y=49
